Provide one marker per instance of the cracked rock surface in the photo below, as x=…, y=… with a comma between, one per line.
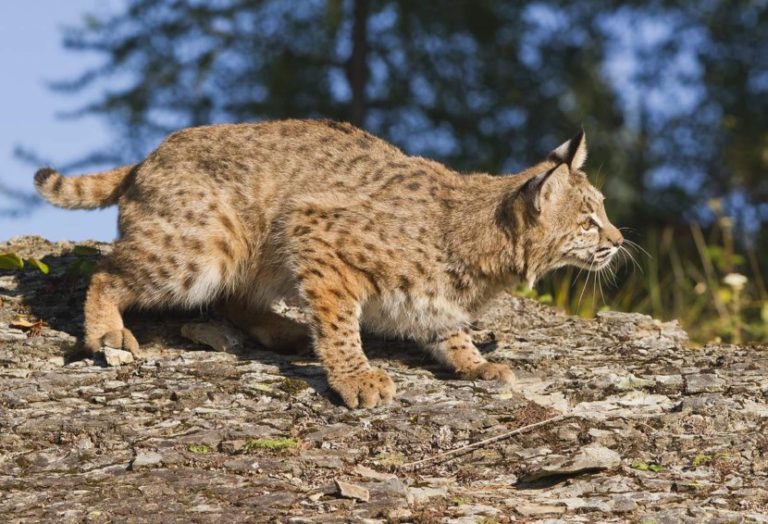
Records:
x=653, y=431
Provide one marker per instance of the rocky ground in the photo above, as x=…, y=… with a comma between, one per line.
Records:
x=645, y=429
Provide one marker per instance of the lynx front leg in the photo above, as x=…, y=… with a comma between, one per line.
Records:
x=456, y=351
x=336, y=335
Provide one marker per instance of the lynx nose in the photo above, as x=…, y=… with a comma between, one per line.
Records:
x=614, y=235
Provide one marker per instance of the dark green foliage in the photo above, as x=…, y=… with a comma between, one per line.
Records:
x=479, y=84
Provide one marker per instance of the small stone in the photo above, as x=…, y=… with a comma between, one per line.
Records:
x=243, y=465
x=637, y=399
x=117, y=357
x=756, y=408
x=569, y=433
x=400, y=515
x=146, y=459
x=323, y=459
x=591, y=458
x=630, y=381
x=204, y=508
x=368, y=473
x=623, y=505
x=84, y=443
x=530, y=509
x=233, y=446
x=760, y=465
x=95, y=517
x=703, y=383
x=352, y=491
x=586, y=504
x=705, y=404
x=392, y=490
x=216, y=335
x=57, y=361
x=734, y=482
x=751, y=493
x=667, y=384
x=426, y=493
x=331, y=432
x=478, y=509
x=10, y=334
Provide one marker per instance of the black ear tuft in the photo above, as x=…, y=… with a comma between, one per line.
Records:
x=573, y=152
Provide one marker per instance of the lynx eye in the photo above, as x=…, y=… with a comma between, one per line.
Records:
x=588, y=224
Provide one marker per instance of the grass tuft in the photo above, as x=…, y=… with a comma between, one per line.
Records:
x=699, y=277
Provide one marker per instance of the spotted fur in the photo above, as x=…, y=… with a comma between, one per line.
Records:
x=327, y=214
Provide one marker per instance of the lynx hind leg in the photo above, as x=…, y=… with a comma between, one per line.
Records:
x=135, y=276
x=271, y=330
x=164, y=259
x=456, y=351
x=149, y=270
x=106, y=299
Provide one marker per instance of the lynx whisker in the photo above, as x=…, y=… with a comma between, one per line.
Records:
x=576, y=278
x=610, y=272
x=637, y=246
x=600, y=283
x=629, y=256
x=586, y=282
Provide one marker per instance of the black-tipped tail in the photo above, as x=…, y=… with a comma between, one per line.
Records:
x=83, y=192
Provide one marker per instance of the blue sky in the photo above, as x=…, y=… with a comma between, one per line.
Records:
x=31, y=54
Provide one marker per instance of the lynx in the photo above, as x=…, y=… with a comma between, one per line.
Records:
x=320, y=212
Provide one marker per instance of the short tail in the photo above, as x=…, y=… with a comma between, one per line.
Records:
x=84, y=192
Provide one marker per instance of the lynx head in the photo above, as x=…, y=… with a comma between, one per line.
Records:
x=568, y=213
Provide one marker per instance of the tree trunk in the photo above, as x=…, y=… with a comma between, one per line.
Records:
x=357, y=67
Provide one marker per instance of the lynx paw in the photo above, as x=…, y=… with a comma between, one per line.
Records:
x=493, y=371
x=121, y=339
x=367, y=389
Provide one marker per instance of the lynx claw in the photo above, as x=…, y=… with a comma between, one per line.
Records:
x=367, y=389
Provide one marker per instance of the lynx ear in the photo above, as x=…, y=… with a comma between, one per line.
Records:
x=573, y=152
x=545, y=187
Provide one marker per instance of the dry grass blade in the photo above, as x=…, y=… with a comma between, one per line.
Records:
x=709, y=270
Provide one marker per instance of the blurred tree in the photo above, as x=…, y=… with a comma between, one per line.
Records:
x=732, y=115
x=482, y=85
x=672, y=93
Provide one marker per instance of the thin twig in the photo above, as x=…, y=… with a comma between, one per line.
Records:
x=442, y=456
